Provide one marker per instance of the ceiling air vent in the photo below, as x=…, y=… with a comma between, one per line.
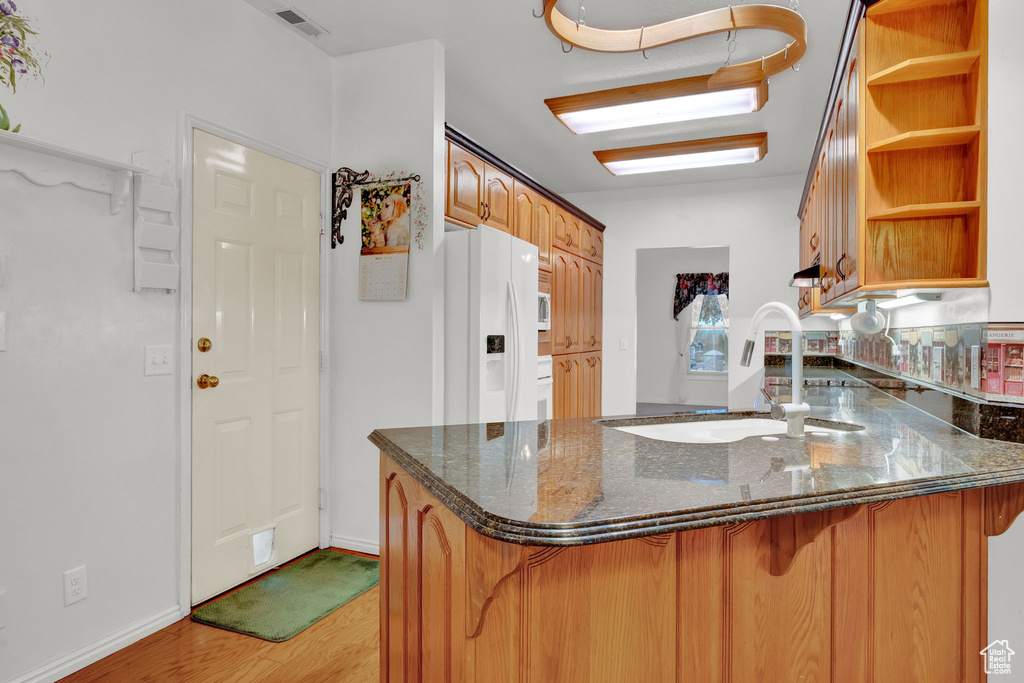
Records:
x=299, y=21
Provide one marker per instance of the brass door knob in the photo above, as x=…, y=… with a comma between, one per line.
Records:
x=205, y=381
x=204, y=345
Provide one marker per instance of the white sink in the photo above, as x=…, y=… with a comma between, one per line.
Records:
x=718, y=431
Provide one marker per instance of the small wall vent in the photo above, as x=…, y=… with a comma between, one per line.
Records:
x=303, y=23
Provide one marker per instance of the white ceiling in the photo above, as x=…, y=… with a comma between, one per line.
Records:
x=501, y=63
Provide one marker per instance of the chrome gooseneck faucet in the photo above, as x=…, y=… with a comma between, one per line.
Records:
x=795, y=412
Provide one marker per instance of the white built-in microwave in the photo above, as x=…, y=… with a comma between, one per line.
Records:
x=543, y=311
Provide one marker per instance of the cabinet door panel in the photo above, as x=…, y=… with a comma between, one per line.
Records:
x=525, y=212
x=567, y=386
x=542, y=226
x=575, y=235
x=850, y=248
x=465, y=186
x=560, y=229
x=592, y=246
x=566, y=283
x=566, y=231
x=591, y=366
x=592, y=286
x=497, y=199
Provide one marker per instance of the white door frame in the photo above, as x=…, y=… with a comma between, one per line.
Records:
x=187, y=124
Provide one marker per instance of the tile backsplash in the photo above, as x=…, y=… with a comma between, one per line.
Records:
x=978, y=360
x=982, y=361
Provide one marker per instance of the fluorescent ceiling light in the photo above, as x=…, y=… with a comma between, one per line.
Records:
x=909, y=300
x=675, y=156
x=839, y=316
x=683, y=99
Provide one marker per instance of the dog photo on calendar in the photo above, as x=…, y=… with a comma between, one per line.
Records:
x=386, y=237
x=386, y=218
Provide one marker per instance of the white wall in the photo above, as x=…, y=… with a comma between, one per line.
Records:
x=1006, y=242
x=88, y=446
x=755, y=218
x=386, y=357
x=661, y=375
x=1005, y=150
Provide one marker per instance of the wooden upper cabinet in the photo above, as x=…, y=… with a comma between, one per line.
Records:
x=592, y=246
x=898, y=194
x=542, y=225
x=849, y=258
x=565, y=233
x=592, y=286
x=566, y=288
x=465, y=186
x=524, y=212
x=575, y=232
x=497, y=199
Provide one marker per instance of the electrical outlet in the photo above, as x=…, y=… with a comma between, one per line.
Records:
x=76, y=585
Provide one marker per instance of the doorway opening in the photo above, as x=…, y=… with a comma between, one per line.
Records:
x=682, y=330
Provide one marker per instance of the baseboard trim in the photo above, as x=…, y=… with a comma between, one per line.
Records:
x=360, y=545
x=83, y=657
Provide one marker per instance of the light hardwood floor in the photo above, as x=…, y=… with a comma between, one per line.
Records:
x=343, y=647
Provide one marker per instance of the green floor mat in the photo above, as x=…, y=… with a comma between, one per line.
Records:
x=292, y=599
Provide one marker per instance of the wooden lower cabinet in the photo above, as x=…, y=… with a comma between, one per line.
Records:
x=590, y=365
x=577, y=385
x=567, y=385
x=885, y=592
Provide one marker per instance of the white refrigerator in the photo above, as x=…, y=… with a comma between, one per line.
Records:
x=490, y=327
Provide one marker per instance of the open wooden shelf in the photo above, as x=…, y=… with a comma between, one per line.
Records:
x=892, y=6
x=934, y=210
x=919, y=139
x=921, y=68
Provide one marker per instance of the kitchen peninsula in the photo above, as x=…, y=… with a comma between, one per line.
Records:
x=569, y=550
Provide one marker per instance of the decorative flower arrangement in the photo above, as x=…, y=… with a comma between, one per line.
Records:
x=17, y=59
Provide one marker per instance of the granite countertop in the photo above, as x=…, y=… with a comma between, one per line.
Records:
x=579, y=481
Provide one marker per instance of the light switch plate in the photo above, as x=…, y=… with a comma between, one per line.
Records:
x=159, y=360
x=623, y=343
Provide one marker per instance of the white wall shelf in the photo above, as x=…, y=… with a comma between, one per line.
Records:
x=156, y=234
x=34, y=161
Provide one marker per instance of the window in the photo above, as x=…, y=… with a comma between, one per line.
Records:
x=709, y=335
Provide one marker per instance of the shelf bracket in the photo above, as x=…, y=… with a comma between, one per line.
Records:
x=791, y=533
x=1002, y=506
x=120, y=191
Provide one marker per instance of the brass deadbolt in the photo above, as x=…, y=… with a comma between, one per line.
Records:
x=205, y=381
x=204, y=345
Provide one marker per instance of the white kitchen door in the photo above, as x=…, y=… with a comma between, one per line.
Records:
x=255, y=411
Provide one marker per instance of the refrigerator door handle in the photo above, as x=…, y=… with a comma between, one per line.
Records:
x=514, y=352
x=510, y=354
